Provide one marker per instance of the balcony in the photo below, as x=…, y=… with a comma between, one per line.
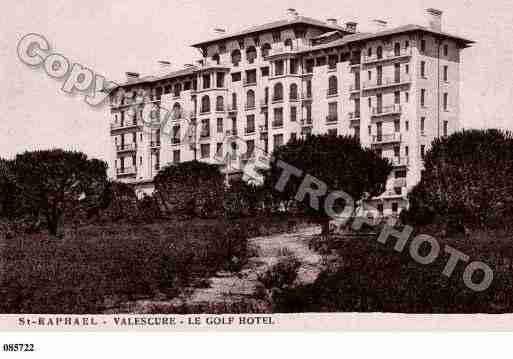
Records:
x=250, y=82
x=264, y=128
x=354, y=118
x=249, y=130
x=131, y=147
x=354, y=87
x=127, y=171
x=277, y=99
x=193, y=114
x=264, y=104
x=331, y=92
x=306, y=96
x=386, y=138
x=400, y=161
x=232, y=109
x=387, y=82
x=331, y=118
x=175, y=141
x=232, y=132
x=386, y=110
x=354, y=62
x=155, y=144
x=204, y=134
x=388, y=55
x=249, y=106
x=306, y=122
x=277, y=124
x=123, y=126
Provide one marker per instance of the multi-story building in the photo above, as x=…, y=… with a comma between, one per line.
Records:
x=396, y=89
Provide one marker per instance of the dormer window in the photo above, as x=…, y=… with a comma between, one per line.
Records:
x=288, y=43
x=276, y=36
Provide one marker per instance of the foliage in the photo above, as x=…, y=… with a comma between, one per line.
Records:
x=243, y=199
x=338, y=161
x=282, y=274
x=119, y=202
x=467, y=181
x=193, y=189
x=50, y=183
x=115, y=263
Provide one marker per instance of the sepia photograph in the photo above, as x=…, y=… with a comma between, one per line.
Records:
x=255, y=165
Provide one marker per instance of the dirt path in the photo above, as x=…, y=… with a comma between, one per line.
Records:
x=237, y=290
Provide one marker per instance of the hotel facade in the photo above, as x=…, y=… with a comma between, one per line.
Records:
x=396, y=89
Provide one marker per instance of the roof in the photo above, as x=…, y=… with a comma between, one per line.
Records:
x=353, y=38
x=152, y=78
x=274, y=25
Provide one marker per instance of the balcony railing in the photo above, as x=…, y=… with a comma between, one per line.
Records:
x=205, y=134
x=331, y=92
x=354, y=115
x=355, y=61
x=155, y=144
x=306, y=122
x=249, y=106
x=232, y=107
x=126, y=171
x=264, y=128
x=175, y=140
x=119, y=126
x=388, y=55
x=400, y=182
x=306, y=96
x=277, y=99
x=232, y=132
x=249, y=130
x=354, y=87
x=386, y=138
x=277, y=124
x=387, y=82
x=331, y=118
x=250, y=82
x=400, y=161
x=264, y=103
x=386, y=110
x=127, y=147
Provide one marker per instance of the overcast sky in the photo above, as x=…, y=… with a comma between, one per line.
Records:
x=111, y=37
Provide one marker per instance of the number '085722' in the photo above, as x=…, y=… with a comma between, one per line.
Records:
x=18, y=347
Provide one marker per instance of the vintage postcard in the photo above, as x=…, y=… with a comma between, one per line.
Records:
x=272, y=165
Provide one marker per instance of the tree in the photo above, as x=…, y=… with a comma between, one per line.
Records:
x=338, y=161
x=467, y=181
x=192, y=188
x=51, y=183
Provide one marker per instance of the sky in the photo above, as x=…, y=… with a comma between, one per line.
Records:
x=112, y=37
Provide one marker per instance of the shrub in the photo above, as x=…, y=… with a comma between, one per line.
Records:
x=194, y=189
x=282, y=274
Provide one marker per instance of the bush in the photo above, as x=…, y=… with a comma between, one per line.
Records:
x=467, y=182
x=193, y=189
x=282, y=274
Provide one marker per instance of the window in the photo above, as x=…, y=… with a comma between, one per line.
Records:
x=407, y=68
x=278, y=117
x=187, y=85
x=423, y=97
x=177, y=111
x=205, y=104
x=309, y=89
x=397, y=97
x=394, y=207
x=369, y=52
x=176, y=156
x=177, y=88
x=293, y=92
x=278, y=92
x=205, y=128
x=332, y=85
x=167, y=89
x=400, y=174
x=219, y=103
x=423, y=45
x=369, y=75
x=250, y=148
x=215, y=59
x=406, y=151
x=205, y=150
x=406, y=97
x=159, y=93
x=234, y=101
x=251, y=77
x=422, y=125
x=356, y=132
x=446, y=101
x=423, y=69
x=250, y=123
x=276, y=36
x=219, y=149
x=406, y=125
x=369, y=129
x=157, y=161
x=251, y=54
x=206, y=81
x=320, y=61
x=332, y=112
x=293, y=136
x=293, y=114
x=236, y=57
x=397, y=49
x=379, y=52
x=278, y=140
x=219, y=125
x=369, y=102
x=265, y=71
x=422, y=151
x=236, y=77
x=332, y=132
x=293, y=66
x=250, y=99
x=309, y=65
x=288, y=43
x=266, y=48
x=446, y=50
x=220, y=79
x=446, y=73
x=380, y=209
x=397, y=126
x=397, y=151
x=445, y=128
x=332, y=62
x=279, y=67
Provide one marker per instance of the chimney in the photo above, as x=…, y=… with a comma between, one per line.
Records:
x=219, y=31
x=292, y=14
x=331, y=21
x=131, y=76
x=434, y=19
x=351, y=26
x=379, y=24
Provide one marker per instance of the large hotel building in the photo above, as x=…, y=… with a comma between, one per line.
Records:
x=396, y=89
